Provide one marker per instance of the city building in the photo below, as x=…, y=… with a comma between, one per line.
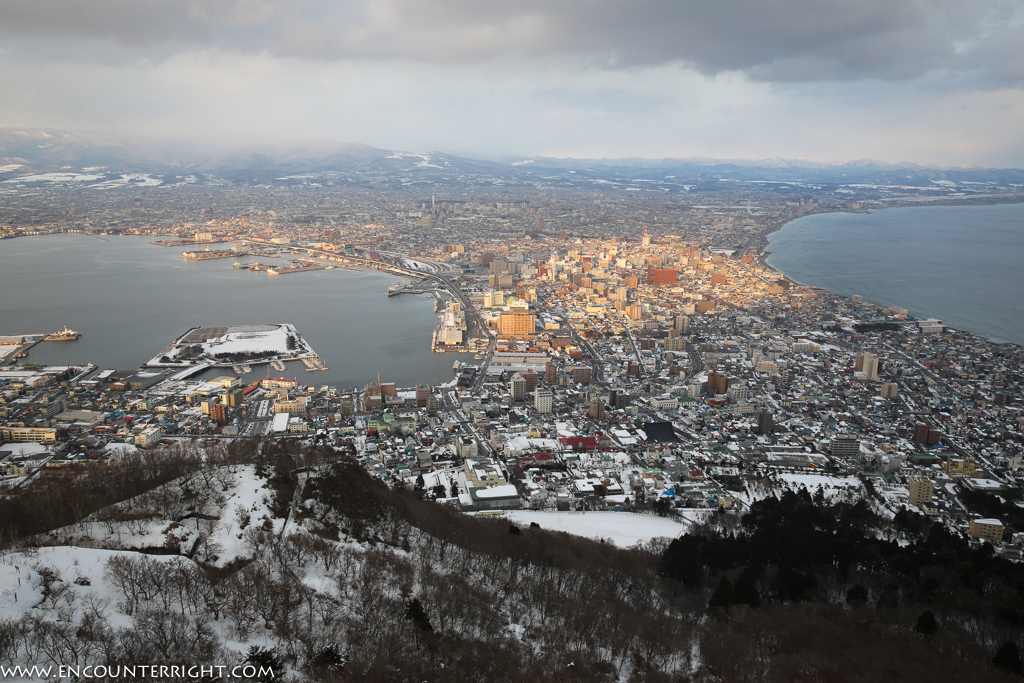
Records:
x=987, y=530
x=517, y=324
x=517, y=388
x=921, y=491
x=542, y=400
x=28, y=435
x=867, y=363
x=845, y=446
x=717, y=384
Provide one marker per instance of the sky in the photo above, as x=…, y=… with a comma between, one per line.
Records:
x=934, y=82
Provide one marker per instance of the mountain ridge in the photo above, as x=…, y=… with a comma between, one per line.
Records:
x=26, y=151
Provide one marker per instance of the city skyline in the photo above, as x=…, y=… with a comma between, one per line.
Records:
x=928, y=83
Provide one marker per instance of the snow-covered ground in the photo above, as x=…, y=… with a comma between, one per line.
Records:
x=230, y=499
x=96, y=181
x=79, y=570
x=251, y=338
x=269, y=339
x=834, y=488
x=624, y=529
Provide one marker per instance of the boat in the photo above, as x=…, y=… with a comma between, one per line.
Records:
x=67, y=334
x=273, y=271
x=241, y=266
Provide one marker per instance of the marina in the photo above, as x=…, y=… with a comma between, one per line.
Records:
x=313, y=364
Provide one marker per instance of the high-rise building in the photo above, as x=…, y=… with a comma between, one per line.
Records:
x=921, y=491
x=597, y=409
x=925, y=435
x=532, y=378
x=219, y=413
x=683, y=324
x=765, y=422
x=581, y=374
x=542, y=399
x=888, y=390
x=422, y=394
x=717, y=384
x=868, y=364
x=551, y=373
x=517, y=387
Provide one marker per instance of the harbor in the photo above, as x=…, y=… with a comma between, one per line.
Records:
x=211, y=254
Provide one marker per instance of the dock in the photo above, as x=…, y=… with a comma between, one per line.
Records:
x=299, y=267
x=411, y=288
x=277, y=365
x=313, y=364
x=208, y=255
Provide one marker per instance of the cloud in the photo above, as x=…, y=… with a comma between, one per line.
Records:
x=772, y=40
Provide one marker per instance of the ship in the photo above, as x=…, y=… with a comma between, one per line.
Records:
x=67, y=334
x=273, y=271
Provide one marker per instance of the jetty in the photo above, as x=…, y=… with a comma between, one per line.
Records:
x=314, y=363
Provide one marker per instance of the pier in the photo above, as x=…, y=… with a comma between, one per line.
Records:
x=209, y=255
x=313, y=364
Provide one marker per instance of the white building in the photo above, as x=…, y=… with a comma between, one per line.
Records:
x=542, y=399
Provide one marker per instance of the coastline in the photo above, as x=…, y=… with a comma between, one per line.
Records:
x=762, y=241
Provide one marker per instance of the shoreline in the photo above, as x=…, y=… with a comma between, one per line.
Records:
x=761, y=242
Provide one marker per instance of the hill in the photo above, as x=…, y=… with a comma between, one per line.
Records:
x=293, y=557
x=33, y=155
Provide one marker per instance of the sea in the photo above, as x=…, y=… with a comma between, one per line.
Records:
x=130, y=299
x=961, y=264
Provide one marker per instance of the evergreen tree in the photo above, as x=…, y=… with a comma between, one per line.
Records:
x=1008, y=658
x=857, y=595
x=264, y=658
x=926, y=624
x=745, y=591
x=417, y=615
x=723, y=596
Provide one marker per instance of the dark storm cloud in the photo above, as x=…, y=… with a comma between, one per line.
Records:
x=802, y=40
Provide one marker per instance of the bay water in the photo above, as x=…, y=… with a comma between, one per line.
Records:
x=130, y=299
x=961, y=264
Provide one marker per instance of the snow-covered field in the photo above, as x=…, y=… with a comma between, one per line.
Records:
x=95, y=181
x=251, y=338
x=624, y=529
x=270, y=340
